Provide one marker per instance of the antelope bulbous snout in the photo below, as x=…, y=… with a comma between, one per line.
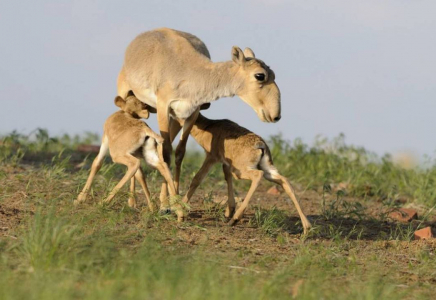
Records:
x=266, y=116
x=272, y=104
x=273, y=116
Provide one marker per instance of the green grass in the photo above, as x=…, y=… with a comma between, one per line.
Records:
x=54, y=250
x=102, y=254
x=365, y=173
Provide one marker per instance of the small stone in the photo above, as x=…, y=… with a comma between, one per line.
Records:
x=80, y=165
x=88, y=148
x=342, y=186
x=274, y=191
x=404, y=215
x=423, y=234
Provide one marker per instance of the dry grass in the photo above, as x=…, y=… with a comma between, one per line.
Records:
x=50, y=249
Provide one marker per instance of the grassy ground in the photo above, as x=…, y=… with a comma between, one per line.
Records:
x=51, y=249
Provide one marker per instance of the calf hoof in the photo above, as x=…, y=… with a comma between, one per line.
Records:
x=165, y=211
x=232, y=222
x=229, y=213
x=132, y=203
x=80, y=198
x=180, y=215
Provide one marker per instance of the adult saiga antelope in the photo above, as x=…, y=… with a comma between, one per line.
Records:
x=129, y=139
x=171, y=71
x=241, y=153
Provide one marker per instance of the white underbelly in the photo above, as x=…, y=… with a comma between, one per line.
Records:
x=182, y=109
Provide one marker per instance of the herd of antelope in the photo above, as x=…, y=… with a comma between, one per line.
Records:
x=170, y=73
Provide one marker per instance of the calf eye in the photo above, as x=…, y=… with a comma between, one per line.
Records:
x=260, y=76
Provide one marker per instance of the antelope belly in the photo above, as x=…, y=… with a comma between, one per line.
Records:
x=146, y=96
x=182, y=109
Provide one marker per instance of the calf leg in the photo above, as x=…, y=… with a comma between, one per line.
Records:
x=132, y=196
x=255, y=176
x=96, y=165
x=141, y=179
x=275, y=177
x=163, y=198
x=132, y=164
x=198, y=178
x=230, y=210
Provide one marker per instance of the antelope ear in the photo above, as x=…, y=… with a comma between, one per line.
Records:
x=238, y=56
x=120, y=102
x=249, y=53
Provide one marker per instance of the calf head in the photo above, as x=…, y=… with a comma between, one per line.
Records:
x=132, y=106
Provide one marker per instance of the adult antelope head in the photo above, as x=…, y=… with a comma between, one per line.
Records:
x=258, y=87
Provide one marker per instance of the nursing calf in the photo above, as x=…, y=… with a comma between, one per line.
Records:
x=129, y=139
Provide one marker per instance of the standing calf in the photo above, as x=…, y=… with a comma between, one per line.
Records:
x=129, y=139
x=241, y=153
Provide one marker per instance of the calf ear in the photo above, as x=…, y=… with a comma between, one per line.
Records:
x=144, y=114
x=249, y=53
x=120, y=102
x=238, y=56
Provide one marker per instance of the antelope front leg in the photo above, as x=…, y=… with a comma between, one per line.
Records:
x=165, y=171
x=164, y=127
x=181, y=147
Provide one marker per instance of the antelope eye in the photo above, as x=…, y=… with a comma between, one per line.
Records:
x=260, y=76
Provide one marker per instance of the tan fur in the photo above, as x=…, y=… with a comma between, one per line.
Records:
x=180, y=62
x=129, y=139
x=243, y=154
x=172, y=71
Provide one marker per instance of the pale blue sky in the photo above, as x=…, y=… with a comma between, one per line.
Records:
x=364, y=68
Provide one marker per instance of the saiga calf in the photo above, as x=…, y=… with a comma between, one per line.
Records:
x=241, y=153
x=129, y=139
